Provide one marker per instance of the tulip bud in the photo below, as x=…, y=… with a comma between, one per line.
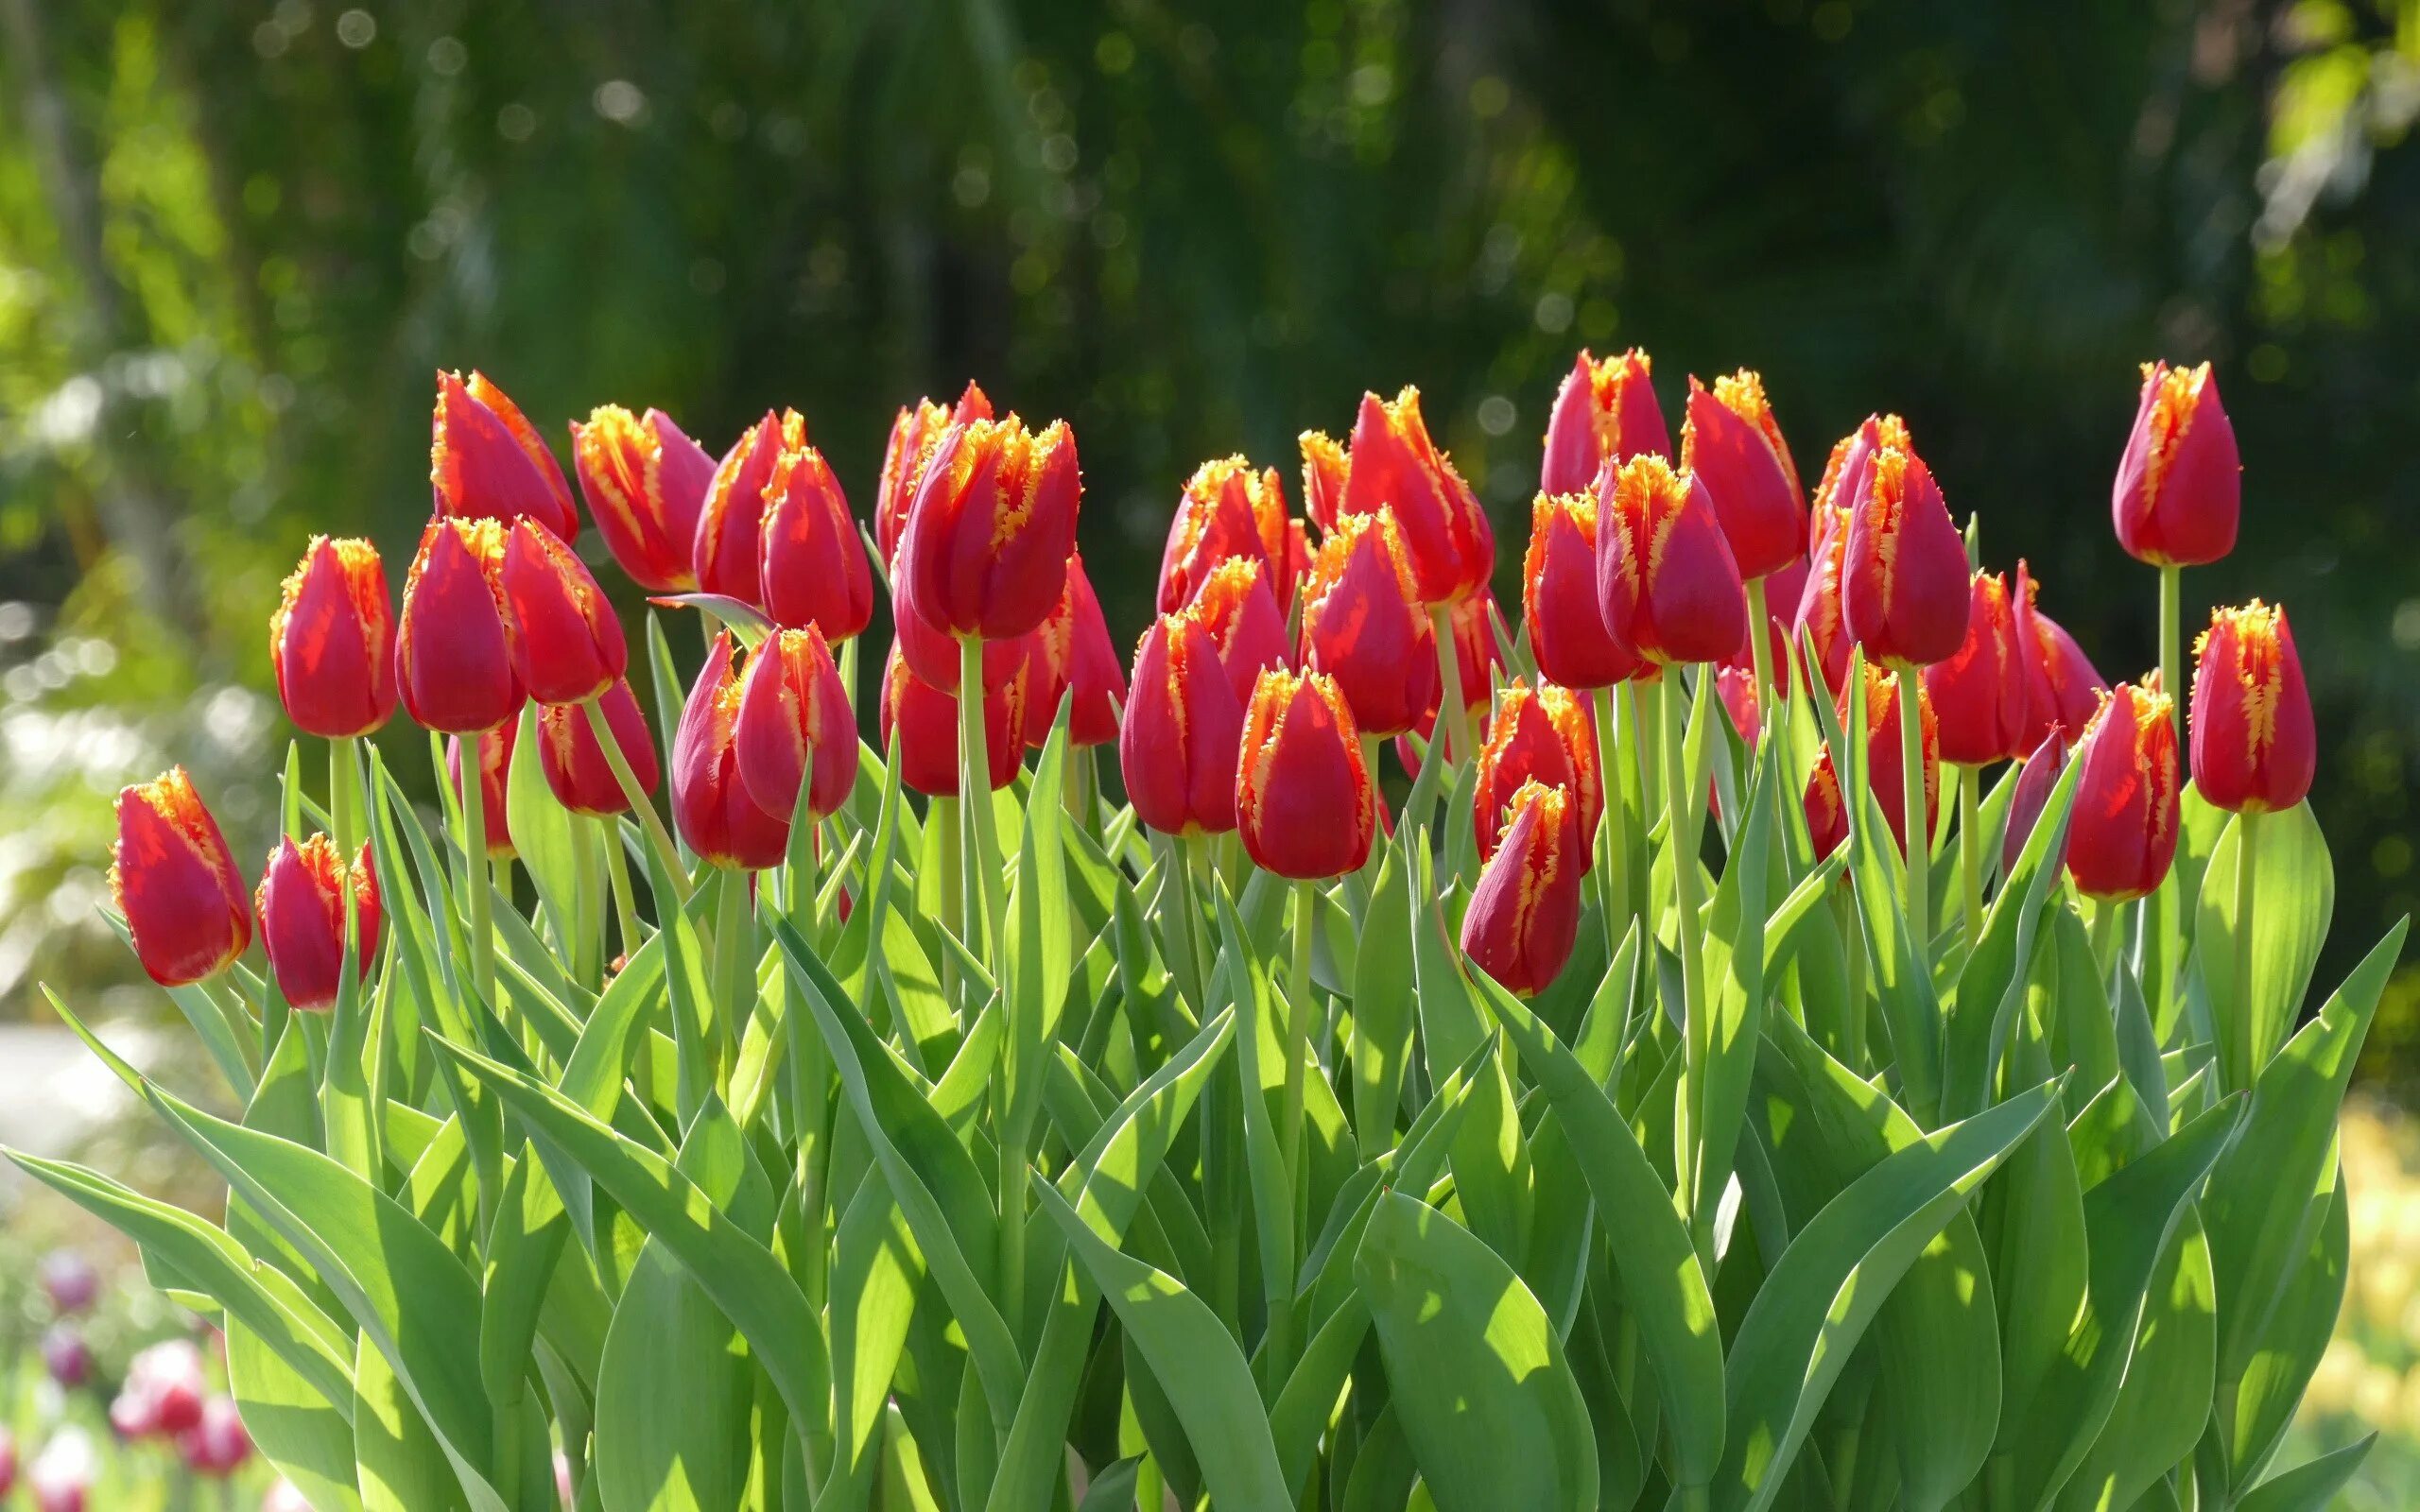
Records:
x=496, y=767
x=1903, y=581
x=1567, y=632
x=1737, y=687
x=332, y=640
x=1227, y=510
x=453, y=645
x=1848, y=473
x=2127, y=810
x=989, y=536
x=1074, y=652
x=485, y=460
x=1393, y=464
x=2034, y=781
x=710, y=803
x=1177, y=749
x=1979, y=693
x=814, y=570
x=217, y=1446
x=166, y=1379
x=1828, y=817
x=2254, y=746
x=1522, y=748
x=2062, y=690
x=1731, y=442
x=300, y=903
x=61, y=1477
x=1665, y=581
x=794, y=719
x=69, y=1281
x=1819, y=618
x=574, y=761
x=913, y=437
x=67, y=1356
x=1326, y=472
x=646, y=482
x=173, y=878
x=1885, y=763
x=1303, y=803
x=728, y=551
x=1524, y=913
x=1363, y=625
x=1235, y=606
x=1604, y=409
x=2180, y=485
x=919, y=725
x=567, y=646
x=1575, y=721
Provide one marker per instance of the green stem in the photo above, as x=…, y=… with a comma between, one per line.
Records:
x=1455, y=717
x=1279, y=1347
x=1612, y=890
x=2244, y=1028
x=2105, y=935
x=734, y=996
x=1760, y=647
x=1681, y=843
x=1647, y=728
x=472, y=800
x=617, y=876
x=648, y=819
x=975, y=785
x=1912, y=787
x=1852, y=1024
x=1970, y=850
x=344, y=791
x=2171, y=641
x=942, y=817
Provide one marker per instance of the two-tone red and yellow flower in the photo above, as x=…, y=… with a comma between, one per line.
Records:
x=574, y=762
x=2180, y=485
x=1076, y=656
x=1541, y=735
x=813, y=568
x=1394, y=464
x=1559, y=607
x=1178, y=748
x=1903, y=578
x=1821, y=622
x=919, y=725
x=486, y=461
x=1886, y=767
x=567, y=644
x=454, y=643
x=1303, y=803
x=2254, y=749
x=1978, y=695
x=644, y=481
x=1603, y=410
x=2121, y=833
x=1730, y=440
x=728, y=552
x=1227, y=511
x=794, y=727
x=1238, y=608
x=173, y=878
x=1665, y=580
x=988, y=539
x=1524, y=913
x=914, y=435
x=711, y=804
x=2062, y=689
x=332, y=640
x=301, y=906
x=1363, y=625
x=496, y=769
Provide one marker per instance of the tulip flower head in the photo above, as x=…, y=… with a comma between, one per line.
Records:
x=919, y=725
x=2254, y=749
x=62, y=1476
x=217, y=1446
x=1665, y=581
x=644, y=481
x=2180, y=485
x=2062, y=690
x=332, y=640
x=914, y=435
x=1364, y=626
x=1827, y=817
x=69, y=1281
x=454, y=643
x=1603, y=410
x=486, y=462
x=567, y=646
x=163, y=1389
x=1177, y=748
x=67, y=1356
x=2123, y=835
x=1732, y=443
x=1075, y=654
x=2035, y=781
x=174, y=880
x=301, y=905
x=574, y=762
x=794, y=727
x=1393, y=464
x=1735, y=686
x=989, y=534
x=1904, y=576
x=1226, y=511
x=1567, y=632
x=1235, y=606
x=814, y=568
x=1325, y=471
x=710, y=803
x=1885, y=762
x=727, y=552
x=1979, y=694
x=1303, y=803
x=1821, y=620
x=1524, y=913
x=496, y=769
x=1522, y=746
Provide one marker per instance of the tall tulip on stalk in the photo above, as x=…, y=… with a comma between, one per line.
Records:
x=2127, y=812
x=644, y=481
x=1979, y=697
x=1605, y=411
x=2179, y=490
x=1730, y=440
x=1576, y=651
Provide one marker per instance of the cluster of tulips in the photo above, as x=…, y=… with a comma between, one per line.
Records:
x=1481, y=1198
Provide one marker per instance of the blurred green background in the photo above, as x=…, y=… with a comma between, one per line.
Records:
x=237, y=240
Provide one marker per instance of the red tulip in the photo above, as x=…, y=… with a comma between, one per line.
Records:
x=1731, y=441
x=1522, y=748
x=1903, y=582
x=1979, y=694
x=1477, y=656
x=1524, y=913
x=710, y=803
x=166, y=1381
x=1227, y=510
x=496, y=767
x=1325, y=474
x=1665, y=581
x=8, y=1462
x=1735, y=686
x=1783, y=588
x=913, y=437
x=728, y=551
x=332, y=639
x=2123, y=833
x=1885, y=764
x=61, y=1477
x=454, y=643
x=217, y=1446
x=173, y=878
x=1567, y=632
x=1364, y=627
x=1076, y=653
x=1603, y=409
x=2179, y=486
x=302, y=902
x=1820, y=618
x=1303, y=804
x=2033, y=783
x=919, y=724
x=568, y=646
x=1575, y=721
x=1235, y=607
x=646, y=482
x=1827, y=819
x=2062, y=690
x=1393, y=464
x=988, y=537
x=2254, y=746
x=485, y=460
x=814, y=568
x=574, y=761
x=794, y=720
x=1177, y=749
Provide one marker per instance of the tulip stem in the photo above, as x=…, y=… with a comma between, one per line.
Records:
x=2172, y=641
x=476, y=893
x=1919, y=829
x=1681, y=843
x=648, y=819
x=1970, y=849
x=975, y=784
x=617, y=876
x=1298, y=1044
x=1613, y=883
x=1760, y=648
x=2247, y=1040
x=949, y=830
x=1649, y=730
x=1456, y=716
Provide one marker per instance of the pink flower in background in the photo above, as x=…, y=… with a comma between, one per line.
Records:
x=70, y=1282
x=67, y=1356
x=61, y=1475
x=217, y=1444
x=163, y=1393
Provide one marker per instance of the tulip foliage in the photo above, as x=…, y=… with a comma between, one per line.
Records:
x=1831, y=1060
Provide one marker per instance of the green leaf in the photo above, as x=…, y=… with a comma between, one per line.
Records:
x=1734, y=958
x=1038, y=950
x=294, y=1425
x=542, y=832
x=1992, y=986
x=2254, y=1406
x=875, y=1275
x=2312, y=1486
x=2293, y=897
x=400, y=1465
x=1382, y=1008
x=2151, y=1429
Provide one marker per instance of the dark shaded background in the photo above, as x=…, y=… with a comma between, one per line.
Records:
x=235, y=240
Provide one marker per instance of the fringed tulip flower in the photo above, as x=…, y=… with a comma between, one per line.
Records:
x=1235, y=607
x=919, y=727
x=719, y=818
x=485, y=460
x=332, y=640
x=217, y=1446
x=989, y=536
x=1567, y=632
x=1735, y=686
x=1303, y=803
x=567, y=644
x=814, y=567
x=574, y=764
x=1732, y=443
x=1665, y=580
x=913, y=437
x=1827, y=817
x=728, y=552
x=1524, y=914
x=644, y=481
x=2033, y=783
x=301, y=905
x=2255, y=749
x=1603, y=410
x=1903, y=581
x=1522, y=746
x=1324, y=473
x=2179, y=486
x=2062, y=690
x=794, y=721
x=1394, y=464
x=1574, y=720
x=496, y=769
x=1226, y=511
x=454, y=643
x=173, y=878
x=1078, y=656
x=1363, y=625
x=1821, y=621
x=1885, y=762
x=1979, y=696
x=2123, y=835
x=1177, y=749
